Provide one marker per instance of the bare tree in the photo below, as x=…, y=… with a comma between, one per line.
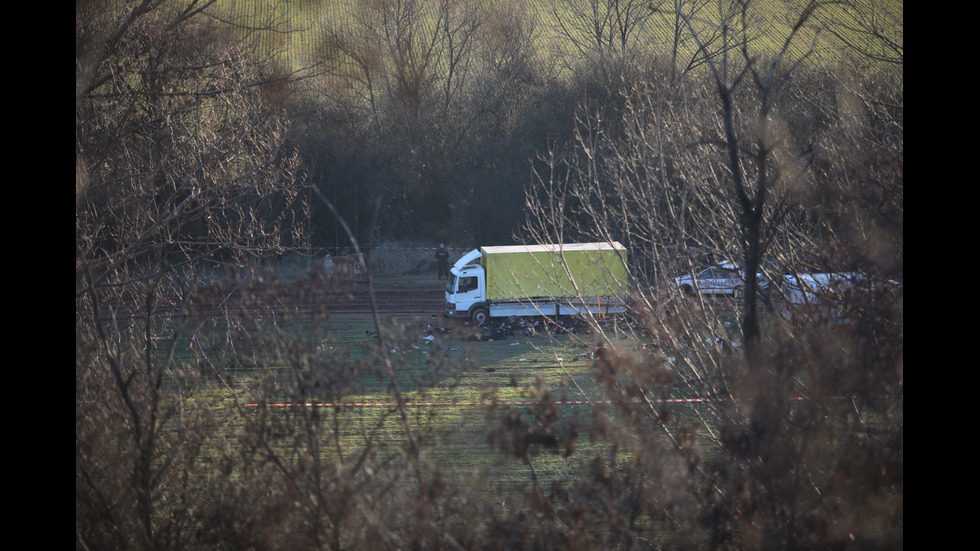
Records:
x=602, y=25
x=752, y=140
x=738, y=163
x=442, y=84
x=870, y=29
x=406, y=59
x=180, y=165
x=673, y=16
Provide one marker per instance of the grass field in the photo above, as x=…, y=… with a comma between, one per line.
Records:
x=466, y=395
x=489, y=425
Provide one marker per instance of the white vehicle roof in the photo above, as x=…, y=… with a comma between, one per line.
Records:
x=823, y=279
x=798, y=287
x=554, y=247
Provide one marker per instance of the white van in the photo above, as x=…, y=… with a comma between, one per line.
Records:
x=819, y=297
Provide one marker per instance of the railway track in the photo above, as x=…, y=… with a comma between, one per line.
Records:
x=298, y=299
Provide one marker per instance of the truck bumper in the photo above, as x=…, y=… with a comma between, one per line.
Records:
x=452, y=312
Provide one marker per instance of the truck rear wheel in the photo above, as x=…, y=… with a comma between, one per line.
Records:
x=480, y=316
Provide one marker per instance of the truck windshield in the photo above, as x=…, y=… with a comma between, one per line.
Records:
x=451, y=284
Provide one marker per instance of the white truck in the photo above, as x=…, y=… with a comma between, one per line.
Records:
x=538, y=280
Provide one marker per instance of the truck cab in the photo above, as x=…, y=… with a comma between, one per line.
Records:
x=466, y=295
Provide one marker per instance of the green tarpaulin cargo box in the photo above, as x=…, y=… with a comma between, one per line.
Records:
x=536, y=271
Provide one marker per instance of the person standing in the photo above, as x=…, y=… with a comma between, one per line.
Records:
x=442, y=261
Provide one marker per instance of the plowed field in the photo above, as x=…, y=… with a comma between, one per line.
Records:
x=411, y=295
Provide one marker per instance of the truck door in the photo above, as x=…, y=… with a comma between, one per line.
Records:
x=469, y=290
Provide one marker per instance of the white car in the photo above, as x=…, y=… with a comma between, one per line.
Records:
x=723, y=279
x=820, y=297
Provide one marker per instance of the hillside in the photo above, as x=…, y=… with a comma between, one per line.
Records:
x=295, y=30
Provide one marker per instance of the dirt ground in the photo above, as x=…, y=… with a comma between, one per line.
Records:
x=412, y=296
x=393, y=297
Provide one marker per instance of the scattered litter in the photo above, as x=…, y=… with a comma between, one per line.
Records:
x=720, y=343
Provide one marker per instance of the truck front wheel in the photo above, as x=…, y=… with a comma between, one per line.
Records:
x=480, y=316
